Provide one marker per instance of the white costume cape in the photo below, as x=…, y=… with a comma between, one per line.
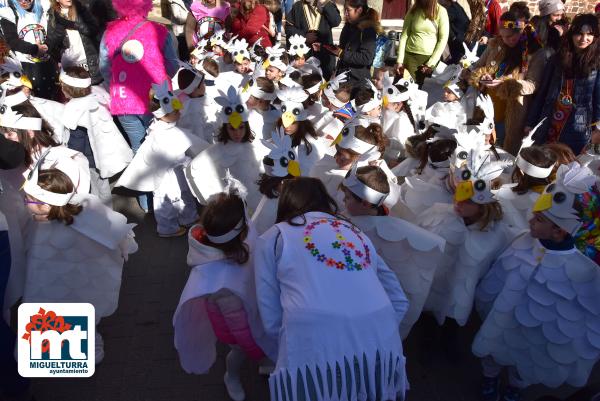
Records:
x=81, y=262
x=265, y=215
x=411, y=252
x=406, y=168
x=468, y=255
x=206, y=172
x=195, y=339
x=541, y=313
x=111, y=152
x=330, y=175
x=163, y=149
x=420, y=192
x=199, y=117
x=331, y=313
x=398, y=128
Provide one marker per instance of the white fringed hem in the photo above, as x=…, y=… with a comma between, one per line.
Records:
x=354, y=379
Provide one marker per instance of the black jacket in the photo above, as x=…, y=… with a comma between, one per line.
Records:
x=459, y=23
x=330, y=18
x=358, y=43
x=12, y=154
x=58, y=40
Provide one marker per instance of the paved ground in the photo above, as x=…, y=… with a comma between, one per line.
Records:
x=141, y=363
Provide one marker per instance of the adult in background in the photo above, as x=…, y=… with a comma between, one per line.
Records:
x=250, y=21
x=485, y=22
x=509, y=70
x=177, y=12
x=356, y=50
x=205, y=17
x=72, y=37
x=571, y=102
x=424, y=37
x=551, y=21
x=23, y=25
x=315, y=20
x=134, y=54
x=459, y=23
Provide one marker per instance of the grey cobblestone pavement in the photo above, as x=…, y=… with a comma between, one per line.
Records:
x=141, y=363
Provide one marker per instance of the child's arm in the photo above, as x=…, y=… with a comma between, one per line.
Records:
x=267, y=285
x=392, y=287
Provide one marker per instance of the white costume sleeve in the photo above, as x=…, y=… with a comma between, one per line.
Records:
x=268, y=292
x=392, y=287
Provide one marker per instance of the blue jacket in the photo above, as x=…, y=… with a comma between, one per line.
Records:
x=585, y=112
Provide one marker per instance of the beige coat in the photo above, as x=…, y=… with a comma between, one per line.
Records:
x=514, y=93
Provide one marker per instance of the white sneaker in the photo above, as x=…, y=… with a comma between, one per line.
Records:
x=234, y=388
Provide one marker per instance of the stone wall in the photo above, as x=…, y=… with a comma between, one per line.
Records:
x=572, y=6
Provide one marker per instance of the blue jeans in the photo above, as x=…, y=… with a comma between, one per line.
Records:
x=135, y=126
x=11, y=383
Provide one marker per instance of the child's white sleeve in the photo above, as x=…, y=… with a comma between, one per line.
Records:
x=268, y=292
x=392, y=287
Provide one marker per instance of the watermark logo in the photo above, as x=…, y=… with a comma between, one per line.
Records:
x=56, y=340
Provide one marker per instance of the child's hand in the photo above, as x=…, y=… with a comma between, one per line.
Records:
x=316, y=46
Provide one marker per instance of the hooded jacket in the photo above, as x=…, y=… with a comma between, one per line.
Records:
x=358, y=46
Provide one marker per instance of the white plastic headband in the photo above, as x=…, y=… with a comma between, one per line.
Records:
x=228, y=236
x=32, y=189
x=333, y=99
x=370, y=105
x=75, y=82
x=353, y=143
x=533, y=170
x=17, y=98
x=361, y=190
x=17, y=121
x=315, y=88
x=198, y=79
x=444, y=164
x=260, y=94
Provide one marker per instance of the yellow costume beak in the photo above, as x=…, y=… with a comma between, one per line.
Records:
x=177, y=105
x=337, y=140
x=300, y=54
x=323, y=86
x=235, y=119
x=266, y=64
x=26, y=82
x=294, y=168
x=288, y=118
x=386, y=101
x=246, y=87
x=239, y=58
x=464, y=191
x=544, y=202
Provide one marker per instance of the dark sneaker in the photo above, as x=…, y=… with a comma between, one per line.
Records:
x=490, y=389
x=512, y=394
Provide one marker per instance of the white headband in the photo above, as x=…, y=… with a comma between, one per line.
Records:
x=353, y=143
x=370, y=105
x=198, y=79
x=260, y=94
x=360, y=189
x=533, y=170
x=10, y=119
x=315, y=88
x=75, y=82
x=32, y=188
x=17, y=98
x=444, y=164
x=228, y=236
x=333, y=99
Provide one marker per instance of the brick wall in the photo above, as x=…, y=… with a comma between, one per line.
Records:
x=572, y=6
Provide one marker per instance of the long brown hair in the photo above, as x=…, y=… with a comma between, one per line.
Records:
x=71, y=15
x=31, y=143
x=538, y=156
x=302, y=195
x=305, y=129
x=54, y=180
x=428, y=7
x=221, y=215
x=580, y=64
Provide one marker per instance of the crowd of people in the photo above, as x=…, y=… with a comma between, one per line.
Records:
x=332, y=194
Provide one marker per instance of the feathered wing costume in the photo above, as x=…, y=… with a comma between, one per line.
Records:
x=539, y=306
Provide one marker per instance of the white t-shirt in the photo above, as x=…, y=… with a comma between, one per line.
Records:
x=74, y=55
